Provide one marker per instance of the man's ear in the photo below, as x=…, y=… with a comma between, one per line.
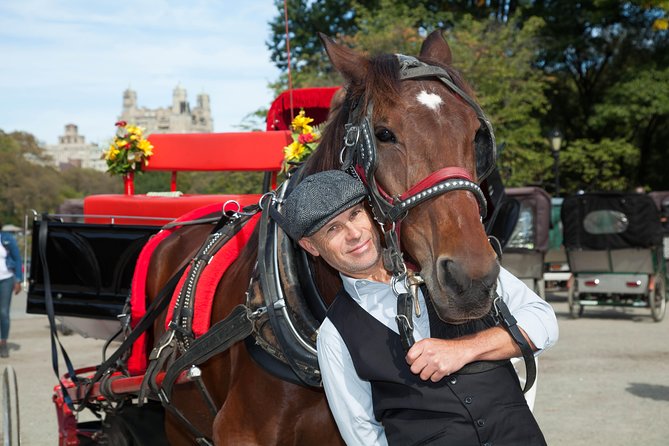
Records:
x=306, y=244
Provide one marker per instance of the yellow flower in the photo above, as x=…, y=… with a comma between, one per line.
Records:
x=121, y=143
x=112, y=153
x=135, y=130
x=301, y=123
x=145, y=146
x=294, y=151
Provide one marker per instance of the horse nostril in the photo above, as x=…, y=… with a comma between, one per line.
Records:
x=453, y=276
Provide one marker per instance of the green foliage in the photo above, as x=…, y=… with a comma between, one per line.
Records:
x=598, y=165
x=596, y=69
x=496, y=59
x=24, y=185
x=28, y=183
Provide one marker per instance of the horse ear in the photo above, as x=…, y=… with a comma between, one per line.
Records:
x=435, y=47
x=350, y=64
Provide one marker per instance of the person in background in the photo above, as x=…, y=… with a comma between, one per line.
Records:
x=11, y=275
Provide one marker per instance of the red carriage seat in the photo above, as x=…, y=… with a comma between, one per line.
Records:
x=243, y=151
x=315, y=101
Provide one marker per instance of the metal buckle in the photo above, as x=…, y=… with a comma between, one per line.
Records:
x=352, y=135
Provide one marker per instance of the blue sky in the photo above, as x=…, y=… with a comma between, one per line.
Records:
x=69, y=61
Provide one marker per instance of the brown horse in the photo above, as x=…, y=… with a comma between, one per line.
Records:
x=420, y=126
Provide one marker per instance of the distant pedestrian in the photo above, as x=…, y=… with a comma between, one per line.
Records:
x=11, y=275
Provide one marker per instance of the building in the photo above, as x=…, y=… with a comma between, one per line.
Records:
x=72, y=150
x=179, y=118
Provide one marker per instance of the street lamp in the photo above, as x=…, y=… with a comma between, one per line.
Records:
x=555, y=139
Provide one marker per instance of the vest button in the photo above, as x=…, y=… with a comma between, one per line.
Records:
x=480, y=423
x=487, y=444
x=453, y=380
x=468, y=400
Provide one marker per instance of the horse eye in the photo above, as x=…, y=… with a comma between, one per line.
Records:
x=385, y=135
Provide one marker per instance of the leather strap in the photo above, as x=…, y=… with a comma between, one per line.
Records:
x=509, y=322
x=220, y=337
x=405, y=320
x=48, y=303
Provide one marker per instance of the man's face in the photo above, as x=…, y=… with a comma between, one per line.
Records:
x=349, y=243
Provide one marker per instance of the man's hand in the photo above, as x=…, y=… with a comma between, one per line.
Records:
x=433, y=359
x=17, y=287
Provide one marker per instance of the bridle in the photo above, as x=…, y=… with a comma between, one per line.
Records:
x=359, y=155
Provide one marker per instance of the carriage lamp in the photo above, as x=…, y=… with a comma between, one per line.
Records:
x=555, y=140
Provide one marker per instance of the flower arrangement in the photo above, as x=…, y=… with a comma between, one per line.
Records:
x=305, y=140
x=129, y=151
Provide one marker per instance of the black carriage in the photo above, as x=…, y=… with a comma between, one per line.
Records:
x=614, y=248
x=525, y=250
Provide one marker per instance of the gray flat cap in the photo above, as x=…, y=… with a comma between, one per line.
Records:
x=316, y=200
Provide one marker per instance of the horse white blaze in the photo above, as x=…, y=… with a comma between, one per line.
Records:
x=430, y=100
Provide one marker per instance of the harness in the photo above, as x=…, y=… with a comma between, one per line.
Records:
x=359, y=156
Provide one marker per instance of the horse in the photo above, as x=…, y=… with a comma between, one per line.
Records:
x=422, y=128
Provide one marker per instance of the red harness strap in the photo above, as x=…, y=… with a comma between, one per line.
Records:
x=138, y=357
x=446, y=173
x=210, y=277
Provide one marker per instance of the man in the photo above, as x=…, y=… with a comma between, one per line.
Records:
x=377, y=394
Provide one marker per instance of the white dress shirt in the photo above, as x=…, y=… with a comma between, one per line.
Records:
x=350, y=398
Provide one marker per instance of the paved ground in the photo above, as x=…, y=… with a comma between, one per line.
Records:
x=605, y=383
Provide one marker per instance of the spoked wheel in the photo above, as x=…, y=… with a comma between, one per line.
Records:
x=9, y=395
x=658, y=299
x=575, y=308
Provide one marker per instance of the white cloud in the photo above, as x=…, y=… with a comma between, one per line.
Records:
x=68, y=61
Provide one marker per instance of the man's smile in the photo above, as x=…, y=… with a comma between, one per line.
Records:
x=360, y=247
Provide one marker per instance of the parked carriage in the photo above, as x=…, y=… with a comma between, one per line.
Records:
x=526, y=248
x=614, y=248
x=661, y=199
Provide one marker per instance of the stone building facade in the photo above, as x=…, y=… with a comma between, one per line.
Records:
x=72, y=150
x=180, y=117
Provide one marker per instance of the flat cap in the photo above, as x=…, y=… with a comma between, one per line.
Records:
x=316, y=200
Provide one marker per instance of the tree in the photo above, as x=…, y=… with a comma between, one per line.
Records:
x=594, y=50
x=24, y=184
x=595, y=69
x=497, y=59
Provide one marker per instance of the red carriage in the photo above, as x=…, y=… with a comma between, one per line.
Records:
x=91, y=265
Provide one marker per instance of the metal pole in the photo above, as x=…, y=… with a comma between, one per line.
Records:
x=556, y=171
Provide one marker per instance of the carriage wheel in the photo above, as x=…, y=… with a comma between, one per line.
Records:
x=10, y=407
x=575, y=309
x=657, y=299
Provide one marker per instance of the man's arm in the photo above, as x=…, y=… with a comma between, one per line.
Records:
x=435, y=358
x=349, y=397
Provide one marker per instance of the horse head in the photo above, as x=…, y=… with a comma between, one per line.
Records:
x=412, y=131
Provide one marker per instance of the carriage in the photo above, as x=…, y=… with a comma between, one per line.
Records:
x=525, y=250
x=614, y=248
x=196, y=378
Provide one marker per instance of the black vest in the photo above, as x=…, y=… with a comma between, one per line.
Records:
x=486, y=408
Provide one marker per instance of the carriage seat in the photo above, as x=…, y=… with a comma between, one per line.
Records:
x=234, y=151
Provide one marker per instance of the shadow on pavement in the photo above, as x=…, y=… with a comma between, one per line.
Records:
x=655, y=392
